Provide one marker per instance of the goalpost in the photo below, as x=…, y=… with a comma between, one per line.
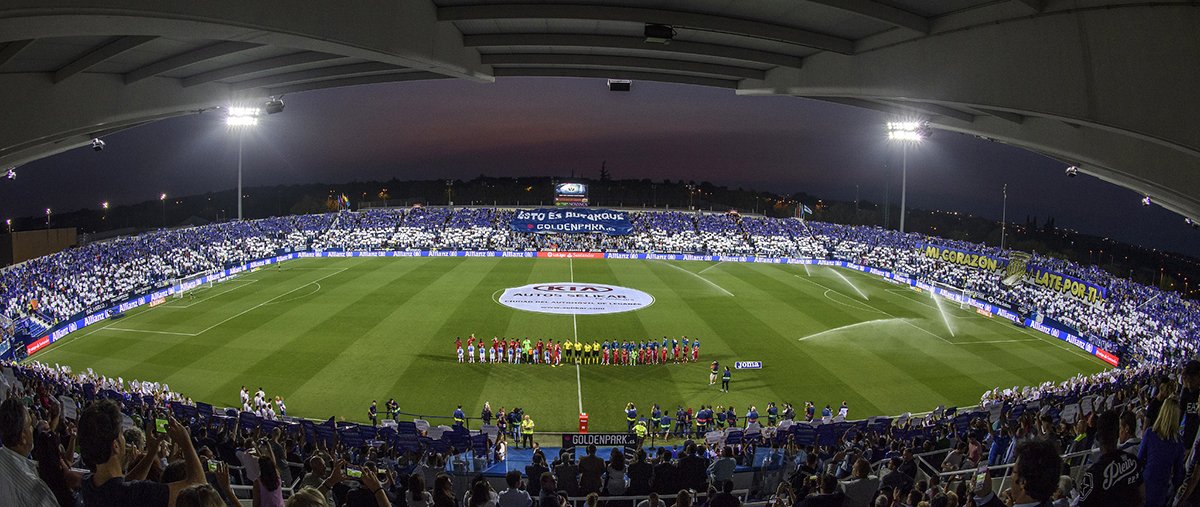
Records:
x=185, y=286
x=958, y=291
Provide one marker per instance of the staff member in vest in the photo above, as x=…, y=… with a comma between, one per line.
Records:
x=460, y=418
x=640, y=431
x=630, y=416
x=725, y=377
x=393, y=409
x=527, y=431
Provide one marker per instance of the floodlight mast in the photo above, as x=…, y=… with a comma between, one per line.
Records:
x=906, y=132
x=241, y=118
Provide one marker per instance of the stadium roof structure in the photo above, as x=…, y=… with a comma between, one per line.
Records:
x=1106, y=85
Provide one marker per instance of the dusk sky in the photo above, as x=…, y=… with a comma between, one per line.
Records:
x=551, y=126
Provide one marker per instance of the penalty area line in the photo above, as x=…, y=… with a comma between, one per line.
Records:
x=234, y=316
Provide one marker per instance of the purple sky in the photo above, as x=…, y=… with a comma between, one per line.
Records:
x=551, y=126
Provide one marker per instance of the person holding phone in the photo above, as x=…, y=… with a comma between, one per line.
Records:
x=102, y=445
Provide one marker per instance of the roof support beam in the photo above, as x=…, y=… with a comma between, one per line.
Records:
x=679, y=19
x=1003, y=115
x=355, y=81
x=8, y=51
x=101, y=54
x=612, y=74
x=533, y=59
x=318, y=74
x=1034, y=6
x=877, y=11
x=928, y=109
x=190, y=58
x=637, y=43
x=257, y=66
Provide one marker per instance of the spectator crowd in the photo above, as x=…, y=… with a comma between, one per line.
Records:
x=1139, y=323
x=1122, y=437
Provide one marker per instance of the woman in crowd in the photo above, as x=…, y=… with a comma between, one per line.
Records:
x=443, y=492
x=417, y=496
x=1161, y=454
x=268, y=488
x=615, y=482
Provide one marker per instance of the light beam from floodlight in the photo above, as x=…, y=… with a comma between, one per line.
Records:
x=906, y=132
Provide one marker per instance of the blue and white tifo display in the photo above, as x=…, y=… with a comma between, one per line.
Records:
x=156, y=297
x=577, y=220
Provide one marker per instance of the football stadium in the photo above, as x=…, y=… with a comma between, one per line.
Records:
x=557, y=340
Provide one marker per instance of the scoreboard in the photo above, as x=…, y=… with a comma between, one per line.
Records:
x=570, y=194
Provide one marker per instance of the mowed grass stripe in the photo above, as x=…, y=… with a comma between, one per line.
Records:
x=609, y=388
x=754, y=339
x=149, y=355
x=886, y=351
x=338, y=333
x=378, y=351
x=931, y=322
x=299, y=339
x=239, y=342
x=385, y=327
x=470, y=310
x=991, y=363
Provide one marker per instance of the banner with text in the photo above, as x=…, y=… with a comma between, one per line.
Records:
x=956, y=256
x=1064, y=284
x=573, y=441
x=581, y=221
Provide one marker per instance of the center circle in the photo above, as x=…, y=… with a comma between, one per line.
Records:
x=577, y=298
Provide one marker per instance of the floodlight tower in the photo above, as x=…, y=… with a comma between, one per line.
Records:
x=241, y=118
x=906, y=133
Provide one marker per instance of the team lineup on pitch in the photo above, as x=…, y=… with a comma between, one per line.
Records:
x=378, y=328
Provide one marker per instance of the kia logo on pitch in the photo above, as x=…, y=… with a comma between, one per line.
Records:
x=572, y=288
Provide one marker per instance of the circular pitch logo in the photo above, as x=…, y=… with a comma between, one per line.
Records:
x=575, y=298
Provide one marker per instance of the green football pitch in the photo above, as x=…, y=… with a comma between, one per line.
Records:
x=330, y=335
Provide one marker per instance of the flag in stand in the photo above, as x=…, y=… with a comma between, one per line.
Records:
x=344, y=201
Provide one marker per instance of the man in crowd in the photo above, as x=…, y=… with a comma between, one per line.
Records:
x=19, y=482
x=102, y=445
x=515, y=496
x=591, y=469
x=1116, y=477
x=1035, y=475
x=567, y=473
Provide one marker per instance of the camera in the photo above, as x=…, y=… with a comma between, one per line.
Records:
x=97, y=144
